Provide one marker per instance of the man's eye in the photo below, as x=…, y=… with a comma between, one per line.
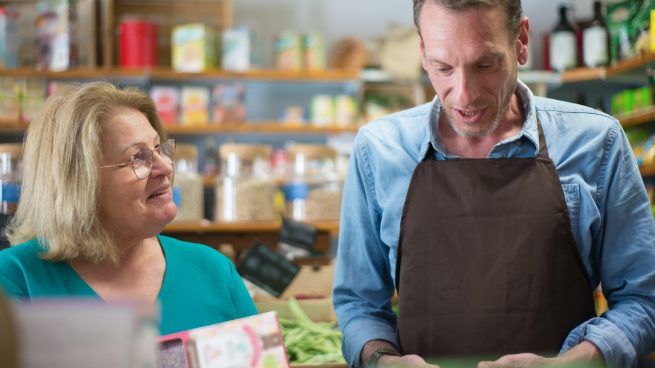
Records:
x=486, y=66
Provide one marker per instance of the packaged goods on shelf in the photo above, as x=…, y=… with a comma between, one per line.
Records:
x=294, y=115
x=563, y=49
x=188, y=190
x=345, y=110
x=9, y=41
x=33, y=94
x=167, y=101
x=288, y=51
x=53, y=41
x=195, y=105
x=9, y=100
x=193, y=48
x=312, y=189
x=236, y=49
x=322, y=110
x=10, y=179
x=138, y=43
x=313, y=49
x=245, y=189
x=229, y=103
x=620, y=17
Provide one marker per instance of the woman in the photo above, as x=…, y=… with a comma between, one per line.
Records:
x=96, y=192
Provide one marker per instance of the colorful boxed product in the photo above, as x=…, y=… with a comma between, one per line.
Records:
x=193, y=48
x=236, y=49
x=53, y=41
x=254, y=341
x=167, y=100
x=195, y=105
x=229, y=103
x=313, y=51
x=288, y=51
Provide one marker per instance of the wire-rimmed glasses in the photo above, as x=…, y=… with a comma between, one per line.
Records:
x=141, y=161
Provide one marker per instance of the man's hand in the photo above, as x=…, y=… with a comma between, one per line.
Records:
x=525, y=360
x=404, y=361
x=585, y=352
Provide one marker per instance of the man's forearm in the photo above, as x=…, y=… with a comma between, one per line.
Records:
x=583, y=352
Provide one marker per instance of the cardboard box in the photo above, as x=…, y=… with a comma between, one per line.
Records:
x=194, y=48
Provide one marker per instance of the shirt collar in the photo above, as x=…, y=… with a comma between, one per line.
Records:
x=529, y=131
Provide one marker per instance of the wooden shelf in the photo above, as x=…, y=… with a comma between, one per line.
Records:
x=635, y=65
x=171, y=75
x=230, y=227
x=647, y=170
x=583, y=74
x=259, y=127
x=245, y=128
x=637, y=118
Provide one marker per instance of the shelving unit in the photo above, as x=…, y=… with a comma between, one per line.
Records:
x=242, y=235
x=637, y=118
x=622, y=70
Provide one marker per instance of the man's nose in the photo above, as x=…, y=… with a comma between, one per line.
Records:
x=466, y=89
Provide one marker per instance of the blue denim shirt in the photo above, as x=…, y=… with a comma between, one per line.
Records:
x=608, y=206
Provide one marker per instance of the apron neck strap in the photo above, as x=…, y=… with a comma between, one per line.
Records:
x=543, y=150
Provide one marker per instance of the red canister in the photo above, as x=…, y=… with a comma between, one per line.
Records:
x=138, y=43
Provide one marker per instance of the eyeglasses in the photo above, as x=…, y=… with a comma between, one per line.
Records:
x=141, y=161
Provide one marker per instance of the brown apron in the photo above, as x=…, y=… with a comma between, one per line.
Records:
x=487, y=263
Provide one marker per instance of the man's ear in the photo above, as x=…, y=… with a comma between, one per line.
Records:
x=522, y=40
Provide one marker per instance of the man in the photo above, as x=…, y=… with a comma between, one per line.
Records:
x=494, y=213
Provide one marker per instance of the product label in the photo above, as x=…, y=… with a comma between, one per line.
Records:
x=595, y=47
x=10, y=192
x=562, y=51
x=295, y=191
x=177, y=196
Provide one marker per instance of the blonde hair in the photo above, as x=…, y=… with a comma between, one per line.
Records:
x=60, y=196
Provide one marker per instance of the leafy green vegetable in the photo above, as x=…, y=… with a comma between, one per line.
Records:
x=310, y=342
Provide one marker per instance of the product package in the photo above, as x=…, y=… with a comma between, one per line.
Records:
x=288, y=50
x=167, y=100
x=247, y=342
x=236, y=49
x=195, y=105
x=229, y=103
x=53, y=42
x=193, y=48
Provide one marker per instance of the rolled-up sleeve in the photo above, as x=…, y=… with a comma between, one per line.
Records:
x=624, y=254
x=362, y=286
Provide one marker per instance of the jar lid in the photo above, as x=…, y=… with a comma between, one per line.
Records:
x=312, y=151
x=187, y=151
x=14, y=149
x=246, y=151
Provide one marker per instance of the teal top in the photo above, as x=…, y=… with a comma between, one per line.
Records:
x=200, y=286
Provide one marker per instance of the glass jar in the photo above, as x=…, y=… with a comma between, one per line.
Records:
x=10, y=185
x=312, y=189
x=245, y=190
x=188, y=190
x=10, y=176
